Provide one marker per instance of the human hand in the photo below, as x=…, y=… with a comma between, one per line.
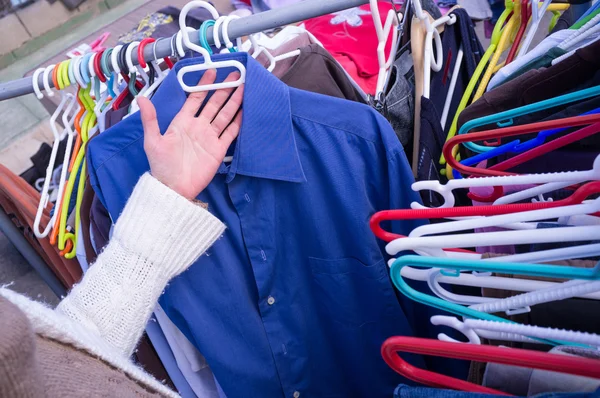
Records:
x=187, y=157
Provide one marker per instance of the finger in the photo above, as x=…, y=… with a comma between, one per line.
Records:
x=149, y=121
x=228, y=112
x=232, y=131
x=195, y=100
x=215, y=103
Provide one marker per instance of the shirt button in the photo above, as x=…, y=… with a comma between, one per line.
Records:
x=271, y=300
x=296, y=394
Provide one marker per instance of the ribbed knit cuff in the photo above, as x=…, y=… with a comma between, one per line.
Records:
x=164, y=227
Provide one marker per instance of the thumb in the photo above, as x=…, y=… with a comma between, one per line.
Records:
x=149, y=121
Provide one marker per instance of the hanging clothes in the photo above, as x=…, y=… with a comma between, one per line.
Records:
x=576, y=72
x=351, y=38
x=433, y=135
x=283, y=280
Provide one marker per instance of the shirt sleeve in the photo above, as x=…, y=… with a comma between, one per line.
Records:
x=158, y=236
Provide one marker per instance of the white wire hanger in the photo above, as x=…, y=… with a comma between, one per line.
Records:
x=208, y=62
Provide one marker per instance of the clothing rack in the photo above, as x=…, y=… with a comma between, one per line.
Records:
x=165, y=47
x=237, y=28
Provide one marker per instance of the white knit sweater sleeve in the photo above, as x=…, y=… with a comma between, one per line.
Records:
x=158, y=236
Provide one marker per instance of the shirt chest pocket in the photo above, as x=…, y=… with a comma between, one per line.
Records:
x=352, y=293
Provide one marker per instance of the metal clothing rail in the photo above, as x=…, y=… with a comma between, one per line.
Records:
x=237, y=28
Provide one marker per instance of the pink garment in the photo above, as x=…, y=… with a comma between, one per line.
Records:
x=350, y=37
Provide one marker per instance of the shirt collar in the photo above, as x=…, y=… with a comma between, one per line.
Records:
x=266, y=146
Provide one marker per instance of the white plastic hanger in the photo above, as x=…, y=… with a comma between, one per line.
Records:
x=478, y=280
x=46, y=80
x=536, y=18
x=434, y=278
x=44, y=195
x=430, y=62
x=72, y=109
x=475, y=328
x=445, y=190
x=427, y=244
x=383, y=33
x=208, y=62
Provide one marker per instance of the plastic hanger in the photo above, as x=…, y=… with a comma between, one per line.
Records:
x=453, y=267
x=159, y=75
x=383, y=34
x=494, y=42
x=543, y=211
x=560, y=180
x=506, y=118
x=208, y=62
x=536, y=18
x=525, y=15
x=434, y=278
x=481, y=353
x=471, y=211
x=428, y=244
x=79, y=163
x=521, y=303
x=44, y=195
x=510, y=332
x=77, y=125
x=499, y=169
x=507, y=33
x=515, y=146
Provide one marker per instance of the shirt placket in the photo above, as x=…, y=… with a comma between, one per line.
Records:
x=249, y=198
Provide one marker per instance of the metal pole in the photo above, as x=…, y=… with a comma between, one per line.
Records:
x=33, y=258
x=237, y=28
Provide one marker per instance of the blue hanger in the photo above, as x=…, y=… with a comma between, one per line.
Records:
x=505, y=119
x=456, y=265
x=202, y=34
x=83, y=68
x=515, y=146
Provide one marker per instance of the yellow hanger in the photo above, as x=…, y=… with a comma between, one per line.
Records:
x=65, y=73
x=504, y=36
x=495, y=40
x=88, y=122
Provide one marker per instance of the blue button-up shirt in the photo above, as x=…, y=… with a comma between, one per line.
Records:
x=295, y=297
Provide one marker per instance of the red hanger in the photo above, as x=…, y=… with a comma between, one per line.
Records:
x=498, y=169
x=480, y=353
x=578, y=196
x=117, y=104
x=140, y=53
x=525, y=15
x=97, y=68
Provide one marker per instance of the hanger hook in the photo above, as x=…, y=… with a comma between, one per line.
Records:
x=71, y=71
x=113, y=59
x=77, y=71
x=46, y=80
x=216, y=30
x=184, y=28
x=140, y=51
x=35, y=81
x=202, y=36
x=225, y=30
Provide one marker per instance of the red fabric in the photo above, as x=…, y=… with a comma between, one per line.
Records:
x=353, y=42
